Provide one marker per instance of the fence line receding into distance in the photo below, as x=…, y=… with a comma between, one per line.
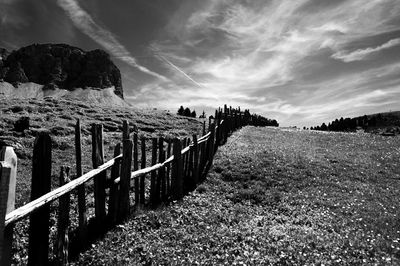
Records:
x=177, y=167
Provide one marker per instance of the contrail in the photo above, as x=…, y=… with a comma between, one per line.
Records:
x=85, y=23
x=162, y=58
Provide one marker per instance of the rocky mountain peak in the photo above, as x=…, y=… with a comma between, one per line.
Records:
x=60, y=65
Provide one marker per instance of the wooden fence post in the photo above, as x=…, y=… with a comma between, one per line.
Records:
x=99, y=180
x=153, y=179
x=41, y=184
x=136, y=167
x=186, y=168
x=7, y=201
x=211, y=144
x=125, y=180
x=62, y=243
x=160, y=187
x=177, y=175
x=5, y=175
x=195, y=161
x=81, y=189
x=217, y=134
x=168, y=180
x=114, y=189
x=142, y=178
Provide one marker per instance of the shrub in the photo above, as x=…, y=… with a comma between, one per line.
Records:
x=21, y=124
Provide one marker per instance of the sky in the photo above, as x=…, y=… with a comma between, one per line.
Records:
x=300, y=62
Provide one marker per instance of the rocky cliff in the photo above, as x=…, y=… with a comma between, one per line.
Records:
x=60, y=66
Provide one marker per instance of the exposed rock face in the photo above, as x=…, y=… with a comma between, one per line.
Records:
x=60, y=65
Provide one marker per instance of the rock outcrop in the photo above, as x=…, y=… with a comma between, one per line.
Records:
x=60, y=66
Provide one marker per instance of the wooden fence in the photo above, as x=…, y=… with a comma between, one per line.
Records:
x=176, y=168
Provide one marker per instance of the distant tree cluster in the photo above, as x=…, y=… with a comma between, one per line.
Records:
x=349, y=124
x=186, y=112
x=261, y=120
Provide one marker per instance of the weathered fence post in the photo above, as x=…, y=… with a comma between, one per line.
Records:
x=135, y=168
x=100, y=179
x=5, y=175
x=177, y=175
x=81, y=189
x=62, y=244
x=125, y=180
x=168, y=180
x=160, y=188
x=8, y=177
x=195, y=161
x=41, y=184
x=142, y=178
x=153, y=179
x=211, y=143
x=114, y=189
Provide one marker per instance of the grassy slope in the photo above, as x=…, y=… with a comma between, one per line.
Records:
x=276, y=197
x=59, y=117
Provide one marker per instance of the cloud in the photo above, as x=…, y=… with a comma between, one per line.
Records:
x=84, y=22
x=361, y=54
x=258, y=54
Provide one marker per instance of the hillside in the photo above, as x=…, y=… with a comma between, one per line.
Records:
x=59, y=118
x=272, y=200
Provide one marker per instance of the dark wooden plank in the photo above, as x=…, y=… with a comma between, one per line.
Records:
x=168, y=174
x=211, y=144
x=8, y=156
x=136, y=167
x=82, y=216
x=142, y=166
x=114, y=189
x=124, y=185
x=99, y=180
x=177, y=176
x=195, y=161
x=160, y=182
x=5, y=176
x=41, y=184
x=125, y=130
x=62, y=243
x=154, y=173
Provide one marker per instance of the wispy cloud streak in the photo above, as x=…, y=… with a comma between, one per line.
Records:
x=361, y=54
x=84, y=22
x=157, y=53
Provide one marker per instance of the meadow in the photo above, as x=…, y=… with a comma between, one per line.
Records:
x=275, y=196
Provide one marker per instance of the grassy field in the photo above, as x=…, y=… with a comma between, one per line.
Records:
x=275, y=196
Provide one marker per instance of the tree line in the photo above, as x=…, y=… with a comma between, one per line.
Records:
x=349, y=124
